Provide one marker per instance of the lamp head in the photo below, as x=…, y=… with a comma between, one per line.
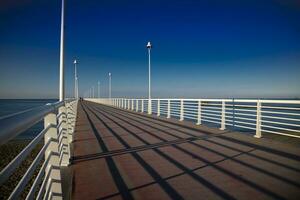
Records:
x=75, y=61
x=149, y=46
x=109, y=74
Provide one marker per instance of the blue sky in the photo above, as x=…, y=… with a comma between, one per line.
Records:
x=201, y=48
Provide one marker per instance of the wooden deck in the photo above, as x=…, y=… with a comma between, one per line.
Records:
x=118, y=154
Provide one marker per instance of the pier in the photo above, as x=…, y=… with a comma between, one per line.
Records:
x=114, y=149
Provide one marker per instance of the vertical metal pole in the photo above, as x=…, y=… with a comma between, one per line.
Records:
x=258, y=120
x=158, y=107
x=109, y=74
x=132, y=104
x=149, y=77
x=136, y=105
x=99, y=89
x=181, y=111
x=75, y=74
x=199, y=113
x=93, y=92
x=61, y=61
x=142, y=109
x=169, y=109
x=223, y=116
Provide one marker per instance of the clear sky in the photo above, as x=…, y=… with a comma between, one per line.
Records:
x=201, y=48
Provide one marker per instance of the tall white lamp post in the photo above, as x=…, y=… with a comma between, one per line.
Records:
x=75, y=79
x=61, y=60
x=149, y=46
x=109, y=95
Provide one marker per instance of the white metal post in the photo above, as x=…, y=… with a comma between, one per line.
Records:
x=258, y=120
x=158, y=107
x=109, y=74
x=132, y=104
x=223, y=116
x=75, y=80
x=199, y=113
x=128, y=104
x=181, y=111
x=169, y=109
x=142, y=106
x=137, y=105
x=61, y=60
x=51, y=154
x=149, y=106
x=149, y=46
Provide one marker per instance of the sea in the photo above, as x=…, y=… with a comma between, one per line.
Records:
x=11, y=106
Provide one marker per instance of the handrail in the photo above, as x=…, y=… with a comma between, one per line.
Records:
x=12, y=126
x=59, y=119
x=222, y=112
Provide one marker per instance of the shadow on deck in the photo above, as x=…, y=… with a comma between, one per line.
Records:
x=119, y=154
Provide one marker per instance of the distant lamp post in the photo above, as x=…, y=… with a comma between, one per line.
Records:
x=93, y=92
x=109, y=76
x=149, y=46
x=75, y=79
x=98, y=89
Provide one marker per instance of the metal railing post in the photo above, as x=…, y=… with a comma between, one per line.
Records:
x=199, y=113
x=223, y=116
x=128, y=106
x=181, y=111
x=169, y=109
x=52, y=170
x=142, y=109
x=136, y=105
x=63, y=137
x=149, y=106
x=132, y=104
x=158, y=107
x=258, y=120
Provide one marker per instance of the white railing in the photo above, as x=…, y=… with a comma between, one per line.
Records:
x=280, y=117
x=59, y=123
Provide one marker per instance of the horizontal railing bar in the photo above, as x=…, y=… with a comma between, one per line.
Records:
x=9, y=169
x=246, y=127
x=12, y=126
x=26, y=177
x=283, y=101
x=279, y=133
x=280, y=113
x=280, y=128
x=281, y=108
x=282, y=123
x=207, y=120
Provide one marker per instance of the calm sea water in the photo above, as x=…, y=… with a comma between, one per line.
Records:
x=10, y=106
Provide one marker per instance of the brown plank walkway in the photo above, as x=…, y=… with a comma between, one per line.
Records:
x=118, y=154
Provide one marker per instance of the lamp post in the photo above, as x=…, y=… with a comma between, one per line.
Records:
x=98, y=89
x=149, y=46
x=75, y=79
x=109, y=95
x=93, y=92
x=61, y=59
